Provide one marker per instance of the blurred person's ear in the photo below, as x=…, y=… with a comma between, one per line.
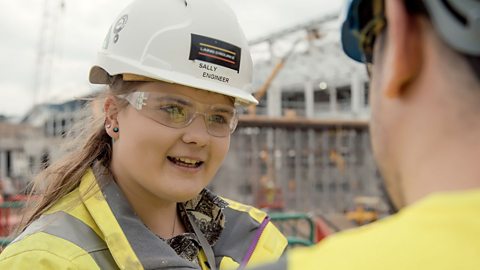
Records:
x=403, y=49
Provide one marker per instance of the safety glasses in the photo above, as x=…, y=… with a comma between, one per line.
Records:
x=373, y=22
x=364, y=22
x=367, y=40
x=368, y=35
x=178, y=111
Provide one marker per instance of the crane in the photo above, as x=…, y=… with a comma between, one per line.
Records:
x=52, y=12
x=311, y=28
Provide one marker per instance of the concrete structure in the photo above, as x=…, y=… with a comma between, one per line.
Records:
x=13, y=159
x=33, y=143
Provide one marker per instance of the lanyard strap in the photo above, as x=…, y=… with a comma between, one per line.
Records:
x=254, y=243
x=203, y=242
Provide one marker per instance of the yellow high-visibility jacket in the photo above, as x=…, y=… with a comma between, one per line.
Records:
x=84, y=231
x=441, y=232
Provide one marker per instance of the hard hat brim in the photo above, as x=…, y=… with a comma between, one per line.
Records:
x=98, y=75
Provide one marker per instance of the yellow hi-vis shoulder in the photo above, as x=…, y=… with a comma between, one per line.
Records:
x=441, y=232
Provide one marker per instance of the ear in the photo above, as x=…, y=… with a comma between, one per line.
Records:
x=403, y=48
x=111, y=109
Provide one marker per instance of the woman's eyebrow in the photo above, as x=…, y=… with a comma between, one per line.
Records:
x=176, y=99
x=223, y=110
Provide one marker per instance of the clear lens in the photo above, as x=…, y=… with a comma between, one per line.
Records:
x=178, y=111
x=221, y=119
x=170, y=110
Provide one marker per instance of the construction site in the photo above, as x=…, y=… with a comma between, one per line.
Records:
x=303, y=154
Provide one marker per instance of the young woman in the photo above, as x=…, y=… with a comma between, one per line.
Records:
x=132, y=195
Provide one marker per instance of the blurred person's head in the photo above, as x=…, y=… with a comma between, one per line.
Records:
x=424, y=61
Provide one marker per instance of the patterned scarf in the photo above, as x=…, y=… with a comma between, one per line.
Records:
x=206, y=209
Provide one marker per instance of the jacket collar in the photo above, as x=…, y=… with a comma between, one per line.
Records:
x=132, y=244
x=130, y=241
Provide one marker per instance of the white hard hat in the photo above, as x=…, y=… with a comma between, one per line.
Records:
x=197, y=43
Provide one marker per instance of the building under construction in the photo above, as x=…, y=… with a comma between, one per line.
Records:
x=306, y=147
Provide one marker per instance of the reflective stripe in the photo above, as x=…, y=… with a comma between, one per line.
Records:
x=69, y=228
x=151, y=251
x=102, y=216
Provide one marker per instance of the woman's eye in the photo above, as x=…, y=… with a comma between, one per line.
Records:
x=173, y=109
x=175, y=112
x=218, y=118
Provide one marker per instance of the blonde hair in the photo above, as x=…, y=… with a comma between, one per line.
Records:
x=91, y=144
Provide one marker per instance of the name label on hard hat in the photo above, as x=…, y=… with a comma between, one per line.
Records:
x=215, y=51
x=215, y=77
x=208, y=67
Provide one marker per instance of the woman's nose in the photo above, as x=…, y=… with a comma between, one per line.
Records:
x=197, y=131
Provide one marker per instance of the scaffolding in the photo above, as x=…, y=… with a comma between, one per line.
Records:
x=299, y=165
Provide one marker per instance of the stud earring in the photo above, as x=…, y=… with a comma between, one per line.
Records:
x=115, y=129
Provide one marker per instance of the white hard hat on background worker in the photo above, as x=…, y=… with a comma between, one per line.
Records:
x=195, y=43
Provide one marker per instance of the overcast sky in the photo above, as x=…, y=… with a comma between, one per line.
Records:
x=80, y=30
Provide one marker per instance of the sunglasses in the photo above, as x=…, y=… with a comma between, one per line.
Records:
x=178, y=111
